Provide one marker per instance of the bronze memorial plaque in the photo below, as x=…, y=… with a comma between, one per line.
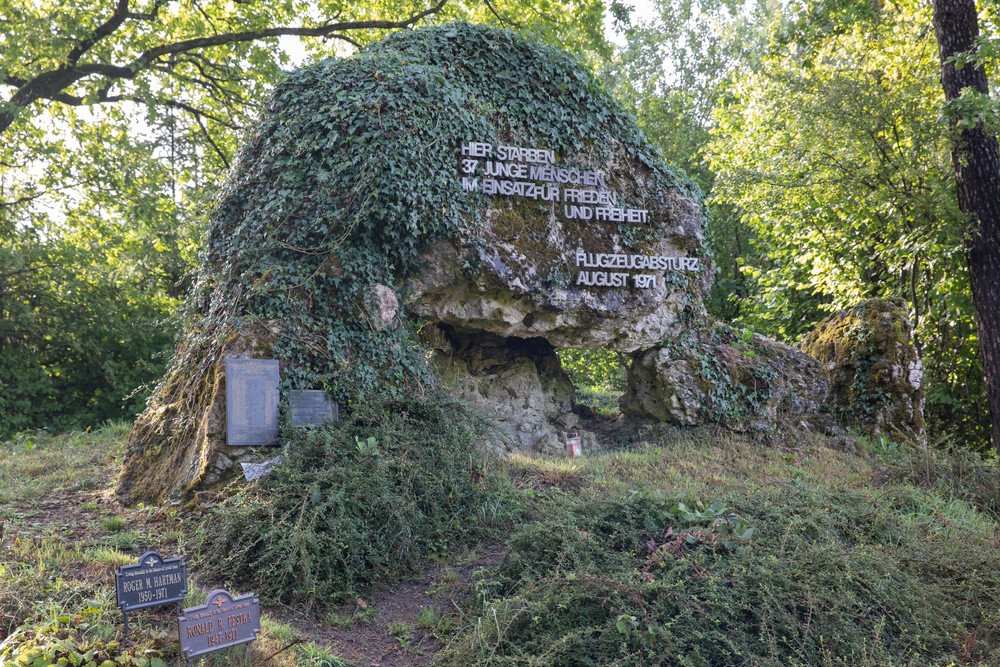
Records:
x=251, y=402
x=312, y=407
x=223, y=621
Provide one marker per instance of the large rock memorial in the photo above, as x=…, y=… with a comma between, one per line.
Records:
x=450, y=206
x=457, y=180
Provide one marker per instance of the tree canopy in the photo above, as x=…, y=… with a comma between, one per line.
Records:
x=819, y=141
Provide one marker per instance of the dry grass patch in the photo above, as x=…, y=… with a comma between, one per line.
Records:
x=35, y=465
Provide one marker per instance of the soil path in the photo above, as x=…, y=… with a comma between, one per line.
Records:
x=403, y=623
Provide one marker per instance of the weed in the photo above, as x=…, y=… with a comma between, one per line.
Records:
x=316, y=656
x=128, y=540
x=339, y=620
x=826, y=576
x=113, y=524
x=175, y=537
x=109, y=556
x=401, y=631
x=435, y=623
x=428, y=618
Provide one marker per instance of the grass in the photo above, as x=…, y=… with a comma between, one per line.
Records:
x=888, y=558
x=37, y=464
x=696, y=462
x=638, y=556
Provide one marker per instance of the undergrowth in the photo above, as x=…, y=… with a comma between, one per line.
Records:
x=826, y=578
x=887, y=573
x=359, y=501
x=688, y=549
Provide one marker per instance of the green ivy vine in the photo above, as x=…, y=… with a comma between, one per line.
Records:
x=352, y=173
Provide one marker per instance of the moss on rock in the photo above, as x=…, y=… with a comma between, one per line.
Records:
x=873, y=368
x=720, y=375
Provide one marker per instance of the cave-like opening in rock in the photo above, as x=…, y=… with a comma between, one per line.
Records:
x=599, y=376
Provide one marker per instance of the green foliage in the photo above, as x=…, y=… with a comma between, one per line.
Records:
x=672, y=72
x=82, y=327
x=598, y=376
x=599, y=368
x=61, y=643
x=824, y=578
x=336, y=516
x=833, y=153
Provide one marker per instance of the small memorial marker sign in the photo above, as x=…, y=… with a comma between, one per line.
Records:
x=312, y=407
x=151, y=582
x=223, y=621
x=251, y=402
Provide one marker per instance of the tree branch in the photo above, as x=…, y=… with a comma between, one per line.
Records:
x=52, y=84
x=253, y=35
x=211, y=142
x=102, y=31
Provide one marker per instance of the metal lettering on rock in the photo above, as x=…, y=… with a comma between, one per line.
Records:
x=531, y=173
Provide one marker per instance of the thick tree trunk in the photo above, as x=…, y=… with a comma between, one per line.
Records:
x=976, y=157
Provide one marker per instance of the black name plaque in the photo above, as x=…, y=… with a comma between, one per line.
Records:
x=312, y=407
x=153, y=581
x=251, y=402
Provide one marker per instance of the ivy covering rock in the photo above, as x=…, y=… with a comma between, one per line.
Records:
x=344, y=225
x=720, y=375
x=874, y=369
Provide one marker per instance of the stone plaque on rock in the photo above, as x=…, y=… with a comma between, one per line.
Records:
x=312, y=407
x=251, y=402
x=221, y=622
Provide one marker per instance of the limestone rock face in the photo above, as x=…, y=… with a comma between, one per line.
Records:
x=525, y=280
x=719, y=375
x=873, y=368
x=518, y=383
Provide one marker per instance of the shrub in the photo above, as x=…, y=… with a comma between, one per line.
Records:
x=358, y=501
x=826, y=578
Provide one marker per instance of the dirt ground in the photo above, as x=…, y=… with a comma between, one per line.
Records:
x=376, y=640
x=389, y=626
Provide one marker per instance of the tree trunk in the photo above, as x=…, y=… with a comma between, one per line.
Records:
x=976, y=157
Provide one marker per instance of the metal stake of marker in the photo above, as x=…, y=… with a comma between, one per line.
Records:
x=125, y=614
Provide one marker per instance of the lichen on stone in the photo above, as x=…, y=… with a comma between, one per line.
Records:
x=874, y=370
x=733, y=378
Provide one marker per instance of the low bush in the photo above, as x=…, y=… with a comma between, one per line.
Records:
x=358, y=501
x=825, y=578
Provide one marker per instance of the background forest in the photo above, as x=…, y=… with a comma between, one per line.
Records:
x=817, y=130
